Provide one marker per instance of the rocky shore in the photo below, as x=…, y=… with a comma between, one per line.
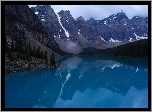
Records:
x=22, y=65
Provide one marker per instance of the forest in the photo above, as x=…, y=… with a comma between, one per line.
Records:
x=134, y=49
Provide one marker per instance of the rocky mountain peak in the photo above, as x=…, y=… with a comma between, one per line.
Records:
x=80, y=18
x=21, y=23
x=121, y=15
x=65, y=14
x=116, y=28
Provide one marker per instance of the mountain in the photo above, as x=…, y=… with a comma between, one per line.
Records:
x=61, y=33
x=73, y=35
x=118, y=27
x=22, y=23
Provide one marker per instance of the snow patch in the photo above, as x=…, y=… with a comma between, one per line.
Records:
x=102, y=38
x=42, y=16
x=112, y=40
x=36, y=12
x=42, y=20
x=66, y=32
x=138, y=37
x=114, y=17
x=105, y=22
x=130, y=39
x=67, y=21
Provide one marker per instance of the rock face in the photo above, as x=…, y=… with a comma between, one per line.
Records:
x=20, y=19
x=119, y=27
x=61, y=32
x=22, y=23
x=49, y=20
x=112, y=31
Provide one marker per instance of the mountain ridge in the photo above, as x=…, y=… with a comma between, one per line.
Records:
x=109, y=32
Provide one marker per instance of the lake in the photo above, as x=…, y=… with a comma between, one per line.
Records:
x=81, y=82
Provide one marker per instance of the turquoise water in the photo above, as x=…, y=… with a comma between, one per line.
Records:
x=81, y=82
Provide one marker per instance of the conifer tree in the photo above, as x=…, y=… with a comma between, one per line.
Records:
x=38, y=55
x=12, y=45
x=42, y=55
x=30, y=49
x=7, y=49
x=6, y=46
x=20, y=45
x=34, y=51
x=45, y=55
x=52, y=60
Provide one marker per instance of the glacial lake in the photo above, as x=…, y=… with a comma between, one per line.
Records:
x=81, y=82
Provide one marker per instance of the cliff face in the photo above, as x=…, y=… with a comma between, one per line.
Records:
x=50, y=21
x=119, y=27
x=22, y=24
x=109, y=32
x=20, y=19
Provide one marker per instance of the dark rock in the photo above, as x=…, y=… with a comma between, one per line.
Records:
x=116, y=26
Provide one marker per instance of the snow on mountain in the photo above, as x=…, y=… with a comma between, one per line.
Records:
x=102, y=38
x=109, y=32
x=66, y=32
x=138, y=37
x=130, y=39
x=112, y=40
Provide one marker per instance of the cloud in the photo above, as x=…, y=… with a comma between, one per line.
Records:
x=99, y=12
x=71, y=45
x=102, y=11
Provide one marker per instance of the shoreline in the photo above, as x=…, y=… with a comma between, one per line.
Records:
x=24, y=65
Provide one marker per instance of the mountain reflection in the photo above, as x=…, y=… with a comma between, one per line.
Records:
x=48, y=87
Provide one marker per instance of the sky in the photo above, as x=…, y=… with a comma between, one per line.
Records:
x=99, y=12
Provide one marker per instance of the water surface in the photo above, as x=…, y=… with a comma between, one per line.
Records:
x=81, y=82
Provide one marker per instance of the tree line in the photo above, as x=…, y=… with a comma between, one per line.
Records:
x=19, y=49
x=134, y=49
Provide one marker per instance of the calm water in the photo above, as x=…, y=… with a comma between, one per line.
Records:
x=83, y=82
